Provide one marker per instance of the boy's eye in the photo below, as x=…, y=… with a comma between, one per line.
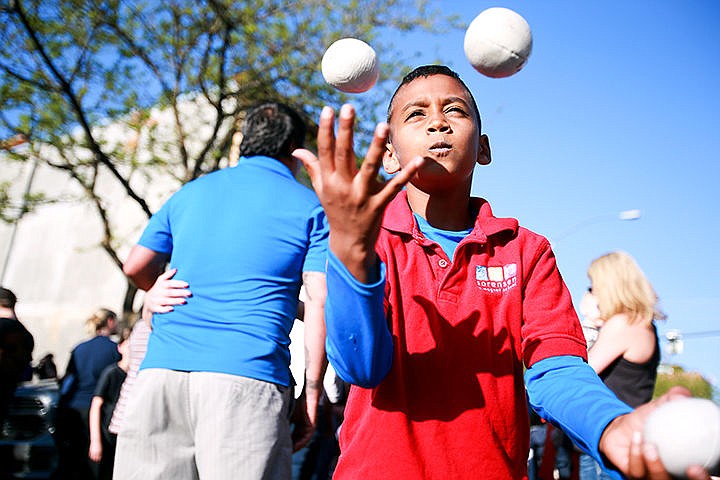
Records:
x=414, y=113
x=456, y=109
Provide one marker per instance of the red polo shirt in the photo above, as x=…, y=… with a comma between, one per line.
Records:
x=453, y=404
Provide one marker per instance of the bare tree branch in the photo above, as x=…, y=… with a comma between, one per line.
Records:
x=79, y=112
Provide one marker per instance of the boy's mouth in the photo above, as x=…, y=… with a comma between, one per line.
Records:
x=440, y=147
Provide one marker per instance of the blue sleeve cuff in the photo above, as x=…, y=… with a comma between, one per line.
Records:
x=567, y=392
x=358, y=344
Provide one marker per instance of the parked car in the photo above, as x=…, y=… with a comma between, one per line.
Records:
x=27, y=443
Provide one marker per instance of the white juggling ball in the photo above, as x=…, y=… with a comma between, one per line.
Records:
x=498, y=42
x=350, y=65
x=686, y=432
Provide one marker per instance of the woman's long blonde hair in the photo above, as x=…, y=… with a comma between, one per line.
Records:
x=620, y=286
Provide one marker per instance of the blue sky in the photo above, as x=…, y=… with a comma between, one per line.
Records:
x=616, y=109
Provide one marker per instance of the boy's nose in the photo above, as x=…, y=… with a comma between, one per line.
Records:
x=438, y=124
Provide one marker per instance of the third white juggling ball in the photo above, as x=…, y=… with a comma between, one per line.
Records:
x=350, y=65
x=498, y=42
x=686, y=432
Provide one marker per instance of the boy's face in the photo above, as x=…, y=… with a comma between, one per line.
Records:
x=433, y=117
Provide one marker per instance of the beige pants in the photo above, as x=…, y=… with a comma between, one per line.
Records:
x=203, y=425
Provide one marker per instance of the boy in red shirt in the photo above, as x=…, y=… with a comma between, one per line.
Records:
x=434, y=306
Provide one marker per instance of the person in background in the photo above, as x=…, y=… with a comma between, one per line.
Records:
x=137, y=346
x=243, y=239
x=87, y=362
x=102, y=441
x=590, y=317
x=46, y=368
x=561, y=453
x=626, y=353
x=16, y=348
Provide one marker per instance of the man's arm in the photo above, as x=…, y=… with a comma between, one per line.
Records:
x=304, y=416
x=143, y=266
x=315, y=360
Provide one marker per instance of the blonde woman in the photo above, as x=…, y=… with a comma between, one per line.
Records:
x=626, y=353
x=87, y=361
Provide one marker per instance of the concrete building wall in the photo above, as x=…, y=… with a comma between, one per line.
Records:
x=56, y=266
x=52, y=258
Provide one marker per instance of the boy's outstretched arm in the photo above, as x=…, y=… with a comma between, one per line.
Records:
x=359, y=344
x=622, y=443
x=596, y=420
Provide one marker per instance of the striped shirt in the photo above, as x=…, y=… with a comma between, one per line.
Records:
x=137, y=348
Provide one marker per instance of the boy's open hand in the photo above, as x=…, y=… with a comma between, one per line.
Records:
x=354, y=199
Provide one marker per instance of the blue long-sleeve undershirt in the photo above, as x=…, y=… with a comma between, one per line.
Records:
x=567, y=392
x=359, y=344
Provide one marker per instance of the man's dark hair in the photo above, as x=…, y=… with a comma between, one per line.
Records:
x=428, y=71
x=7, y=298
x=272, y=130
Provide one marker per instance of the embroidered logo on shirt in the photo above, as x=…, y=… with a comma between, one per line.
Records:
x=496, y=279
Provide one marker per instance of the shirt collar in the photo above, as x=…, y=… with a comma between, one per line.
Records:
x=266, y=163
x=399, y=218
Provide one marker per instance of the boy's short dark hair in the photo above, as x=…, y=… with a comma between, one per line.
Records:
x=7, y=298
x=273, y=130
x=428, y=71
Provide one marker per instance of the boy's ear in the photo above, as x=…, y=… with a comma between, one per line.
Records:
x=390, y=161
x=484, y=157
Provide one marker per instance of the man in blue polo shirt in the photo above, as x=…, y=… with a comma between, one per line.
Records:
x=214, y=391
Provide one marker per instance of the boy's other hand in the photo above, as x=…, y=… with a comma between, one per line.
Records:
x=354, y=198
x=621, y=443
